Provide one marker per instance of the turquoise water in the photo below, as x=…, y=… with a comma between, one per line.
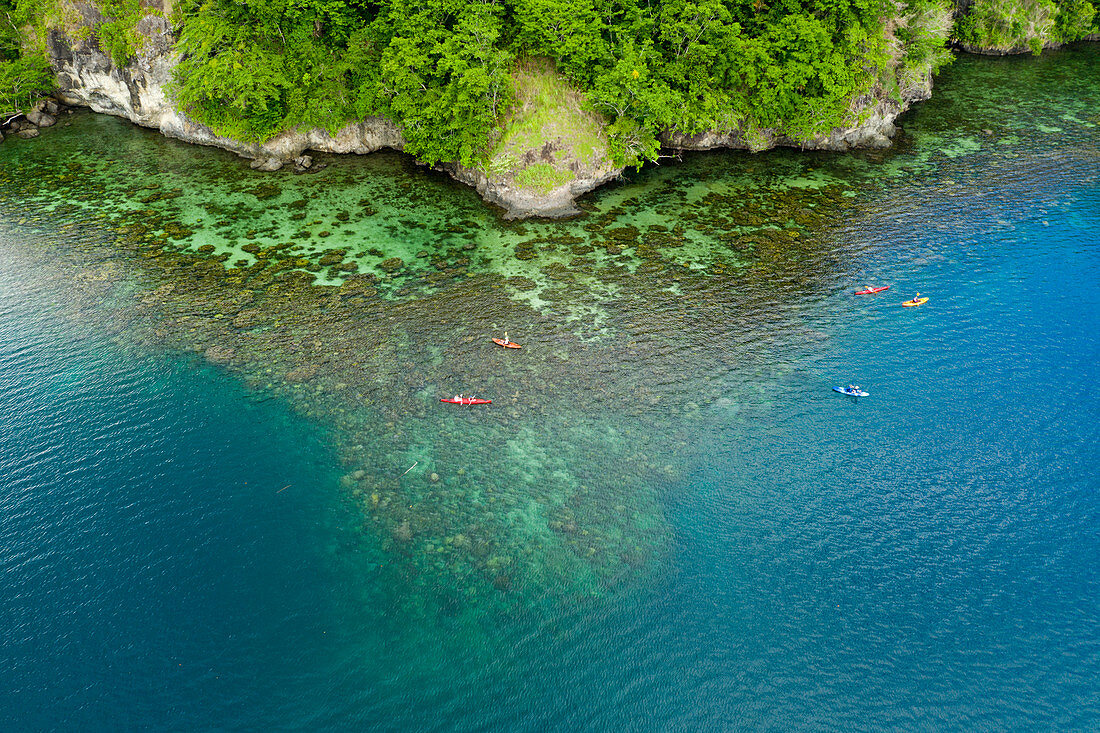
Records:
x=126, y=486
x=637, y=535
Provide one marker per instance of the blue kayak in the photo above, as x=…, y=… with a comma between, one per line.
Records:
x=852, y=392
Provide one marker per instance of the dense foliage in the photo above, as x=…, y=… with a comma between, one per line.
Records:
x=117, y=34
x=24, y=73
x=439, y=67
x=1030, y=24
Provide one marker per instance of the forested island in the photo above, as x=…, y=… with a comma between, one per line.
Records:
x=532, y=101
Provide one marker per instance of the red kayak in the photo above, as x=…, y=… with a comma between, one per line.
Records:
x=465, y=401
x=871, y=291
x=507, y=344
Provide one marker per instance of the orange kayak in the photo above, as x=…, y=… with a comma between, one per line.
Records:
x=914, y=302
x=506, y=344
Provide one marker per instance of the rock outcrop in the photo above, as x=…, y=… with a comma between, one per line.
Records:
x=43, y=114
x=875, y=129
x=521, y=203
x=550, y=149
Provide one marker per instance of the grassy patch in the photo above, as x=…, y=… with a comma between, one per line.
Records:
x=542, y=177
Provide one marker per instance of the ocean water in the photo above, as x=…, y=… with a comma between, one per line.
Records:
x=666, y=521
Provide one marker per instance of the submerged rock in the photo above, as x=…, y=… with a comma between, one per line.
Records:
x=247, y=318
x=391, y=265
x=301, y=374
x=267, y=165
x=218, y=354
x=303, y=163
x=402, y=532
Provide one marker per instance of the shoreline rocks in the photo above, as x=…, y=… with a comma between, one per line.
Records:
x=558, y=203
x=27, y=126
x=39, y=118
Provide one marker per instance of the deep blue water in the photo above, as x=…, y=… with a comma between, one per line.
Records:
x=148, y=559
x=925, y=558
x=928, y=557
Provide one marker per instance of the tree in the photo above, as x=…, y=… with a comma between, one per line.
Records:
x=24, y=76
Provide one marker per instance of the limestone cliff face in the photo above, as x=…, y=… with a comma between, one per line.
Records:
x=1007, y=28
x=871, y=116
x=1017, y=50
x=874, y=129
x=87, y=77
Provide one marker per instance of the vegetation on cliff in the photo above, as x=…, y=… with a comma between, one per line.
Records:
x=441, y=68
x=24, y=73
x=1017, y=25
x=446, y=70
x=549, y=135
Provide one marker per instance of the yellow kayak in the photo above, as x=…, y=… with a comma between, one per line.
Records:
x=914, y=302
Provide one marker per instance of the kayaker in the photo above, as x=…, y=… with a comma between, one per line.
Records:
x=506, y=341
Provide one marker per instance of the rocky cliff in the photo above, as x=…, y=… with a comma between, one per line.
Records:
x=874, y=129
x=87, y=77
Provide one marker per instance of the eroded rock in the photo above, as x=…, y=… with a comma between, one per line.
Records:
x=267, y=165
